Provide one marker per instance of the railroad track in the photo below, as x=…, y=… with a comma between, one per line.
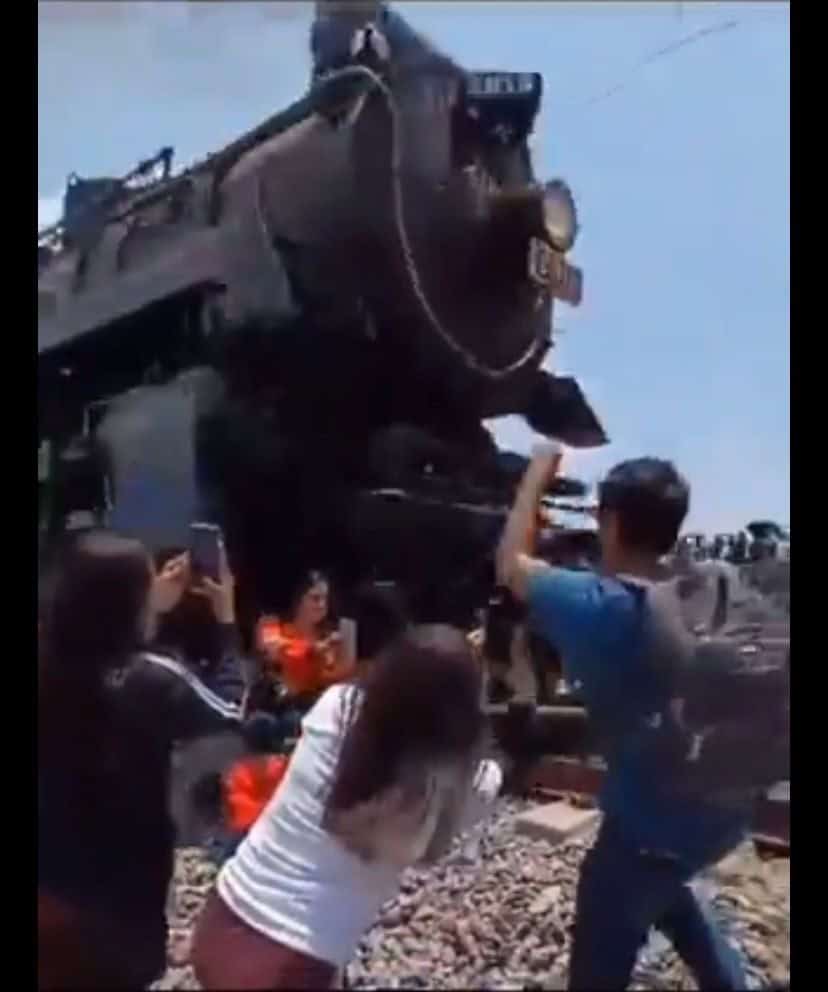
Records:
x=579, y=781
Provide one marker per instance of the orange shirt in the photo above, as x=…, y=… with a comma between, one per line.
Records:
x=248, y=787
x=302, y=666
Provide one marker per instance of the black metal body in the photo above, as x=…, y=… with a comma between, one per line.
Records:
x=300, y=337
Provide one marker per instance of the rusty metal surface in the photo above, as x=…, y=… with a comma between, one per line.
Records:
x=562, y=775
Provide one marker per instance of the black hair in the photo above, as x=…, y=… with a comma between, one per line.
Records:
x=92, y=604
x=650, y=501
x=307, y=580
x=262, y=733
x=380, y=612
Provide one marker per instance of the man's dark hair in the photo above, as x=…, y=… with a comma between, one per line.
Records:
x=650, y=500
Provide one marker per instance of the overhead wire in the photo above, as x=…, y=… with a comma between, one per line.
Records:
x=674, y=46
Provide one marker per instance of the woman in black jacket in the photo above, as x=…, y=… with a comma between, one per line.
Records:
x=109, y=715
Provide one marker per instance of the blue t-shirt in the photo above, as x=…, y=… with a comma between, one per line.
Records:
x=596, y=623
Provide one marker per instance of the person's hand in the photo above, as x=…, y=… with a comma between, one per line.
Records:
x=546, y=461
x=273, y=645
x=169, y=584
x=331, y=641
x=269, y=642
x=221, y=594
x=330, y=650
x=545, y=517
x=476, y=638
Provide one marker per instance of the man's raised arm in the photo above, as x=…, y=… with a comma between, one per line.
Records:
x=515, y=564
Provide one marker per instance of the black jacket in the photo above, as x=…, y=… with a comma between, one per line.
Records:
x=224, y=670
x=106, y=839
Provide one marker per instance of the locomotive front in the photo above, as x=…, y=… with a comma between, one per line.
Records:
x=461, y=251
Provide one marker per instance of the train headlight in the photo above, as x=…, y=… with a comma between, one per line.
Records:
x=560, y=217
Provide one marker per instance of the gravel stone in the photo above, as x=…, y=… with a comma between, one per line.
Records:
x=503, y=919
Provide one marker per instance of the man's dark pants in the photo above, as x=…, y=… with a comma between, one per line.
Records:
x=621, y=894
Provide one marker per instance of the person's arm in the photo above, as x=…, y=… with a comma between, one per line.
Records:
x=468, y=804
x=235, y=673
x=182, y=702
x=170, y=584
x=174, y=698
x=295, y=662
x=569, y=609
x=270, y=643
x=485, y=788
x=514, y=562
x=336, y=658
x=336, y=670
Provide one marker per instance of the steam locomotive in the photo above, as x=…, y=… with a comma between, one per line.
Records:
x=301, y=336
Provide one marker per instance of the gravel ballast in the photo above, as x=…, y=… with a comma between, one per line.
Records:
x=497, y=914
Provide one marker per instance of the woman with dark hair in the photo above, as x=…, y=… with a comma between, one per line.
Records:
x=108, y=716
x=301, y=651
x=386, y=773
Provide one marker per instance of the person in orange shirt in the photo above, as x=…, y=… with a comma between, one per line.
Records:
x=251, y=781
x=300, y=651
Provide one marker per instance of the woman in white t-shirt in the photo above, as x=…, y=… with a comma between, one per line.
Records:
x=385, y=775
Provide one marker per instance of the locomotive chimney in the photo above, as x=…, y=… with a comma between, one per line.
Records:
x=338, y=32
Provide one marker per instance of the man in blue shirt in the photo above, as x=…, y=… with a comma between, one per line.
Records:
x=650, y=844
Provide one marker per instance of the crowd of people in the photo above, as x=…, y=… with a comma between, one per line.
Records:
x=760, y=541
x=388, y=755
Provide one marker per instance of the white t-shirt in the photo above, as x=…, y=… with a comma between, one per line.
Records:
x=296, y=883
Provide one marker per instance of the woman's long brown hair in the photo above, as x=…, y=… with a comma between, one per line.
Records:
x=420, y=703
x=91, y=613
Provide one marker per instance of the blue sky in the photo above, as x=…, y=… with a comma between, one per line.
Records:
x=682, y=178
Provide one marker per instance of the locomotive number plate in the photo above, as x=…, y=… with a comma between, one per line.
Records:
x=497, y=84
x=550, y=270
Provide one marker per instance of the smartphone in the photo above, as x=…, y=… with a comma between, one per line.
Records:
x=205, y=551
x=348, y=638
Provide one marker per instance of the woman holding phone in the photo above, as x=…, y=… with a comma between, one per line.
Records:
x=109, y=714
x=301, y=651
x=201, y=630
